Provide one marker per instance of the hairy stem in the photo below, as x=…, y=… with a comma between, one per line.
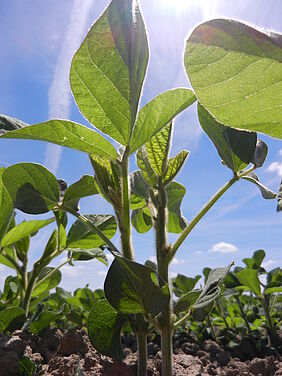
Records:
x=142, y=353
x=199, y=216
x=124, y=221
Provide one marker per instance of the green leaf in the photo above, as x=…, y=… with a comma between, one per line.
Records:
x=235, y=71
x=187, y=301
x=104, y=329
x=108, y=70
x=82, y=188
x=211, y=289
x=139, y=191
x=130, y=288
x=176, y=221
x=26, y=367
x=141, y=220
x=33, y=189
x=260, y=154
x=66, y=133
x=8, y=123
x=272, y=290
x=159, y=112
x=6, y=207
x=279, y=199
x=3, y=260
x=147, y=170
x=249, y=278
x=23, y=230
x=236, y=148
x=157, y=149
x=174, y=166
x=265, y=192
x=89, y=254
x=256, y=260
x=8, y=315
x=81, y=236
x=51, y=246
x=48, y=283
x=44, y=319
x=182, y=284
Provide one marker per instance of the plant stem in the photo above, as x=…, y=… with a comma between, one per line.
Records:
x=29, y=290
x=162, y=261
x=124, y=220
x=199, y=216
x=52, y=272
x=212, y=327
x=142, y=353
x=269, y=326
x=243, y=313
x=95, y=229
x=183, y=319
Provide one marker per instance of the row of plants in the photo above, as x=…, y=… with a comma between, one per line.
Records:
x=224, y=61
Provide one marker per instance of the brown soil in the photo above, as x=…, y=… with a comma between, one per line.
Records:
x=70, y=353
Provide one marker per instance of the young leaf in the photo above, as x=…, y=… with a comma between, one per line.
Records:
x=235, y=147
x=235, y=71
x=157, y=149
x=176, y=221
x=48, y=283
x=139, y=190
x=211, y=289
x=159, y=112
x=256, y=260
x=80, y=236
x=44, y=319
x=108, y=70
x=11, y=255
x=249, y=278
x=279, y=199
x=141, y=220
x=66, y=133
x=130, y=288
x=6, y=207
x=23, y=230
x=265, y=192
x=259, y=154
x=147, y=170
x=89, y=254
x=82, y=188
x=8, y=315
x=33, y=188
x=186, y=301
x=174, y=166
x=182, y=284
x=104, y=327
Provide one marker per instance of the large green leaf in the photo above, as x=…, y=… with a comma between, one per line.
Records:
x=130, y=288
x=104, y=329
x=141, y=220
x=80, y=236
x=236, y=73
x=249, y=278
x=66, y=133
x=8, y=315
x=235, y=147
x=159, y=112
x=176, y=221
x=157, y=149
x=82, y=188
x=6, y=207
x=108, y=70
x=23, y=230
x=187, y=301
x=11, y=255
x=33, y=188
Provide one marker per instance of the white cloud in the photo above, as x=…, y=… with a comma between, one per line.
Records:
x=275, y=167
x=268, y=264
x=172, y=274
x=153, y=259
x=223, y=247
x=59, y=91
x=72, y=271
x=280, y=152
x=177, y=261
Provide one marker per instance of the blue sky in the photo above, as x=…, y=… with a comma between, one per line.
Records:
x=38, y=41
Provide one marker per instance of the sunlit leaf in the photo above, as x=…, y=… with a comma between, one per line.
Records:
x=249, y=278
x=176, y=221
x=6, y=207
x=108, y=70
x=256, y=260
x=46, y=281
x=174, y=166
x=235, y=71
x=141, y=220
x=66, y=133
x=82, y=188
x=159, y=112
x=147, y=170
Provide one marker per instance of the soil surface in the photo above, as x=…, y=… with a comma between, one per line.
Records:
x=59, y=353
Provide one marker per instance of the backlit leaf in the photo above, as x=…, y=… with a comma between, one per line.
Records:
x=6, y=207
x=249, y=278
x=236, y=73
x=82, y=188
x=265, y=192
x=176, y=221
x=174, y=166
